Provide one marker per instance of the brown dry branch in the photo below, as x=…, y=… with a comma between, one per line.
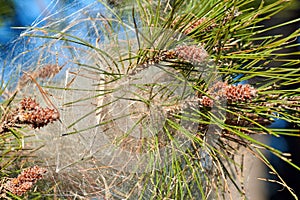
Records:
x=162, y=55
x=48, y=71
x=245, y=125
x=211, y=23
x=193, y=25
x=25, y=181
x=291, y=103
x=194, y=54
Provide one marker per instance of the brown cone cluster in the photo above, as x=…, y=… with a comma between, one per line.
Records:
x=240, y=92
x=25, y=180
x=193, y=53
x=29, y=113
x=32, y=114
x=230, y=93
x=206, y=101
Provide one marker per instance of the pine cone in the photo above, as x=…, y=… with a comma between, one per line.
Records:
x=231, y=93
x=240, y=93
x=193, y=54
x=206, y=101
x=25, y=180
x=32, y=114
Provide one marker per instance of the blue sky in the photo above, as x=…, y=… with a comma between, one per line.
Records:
x=26, y=12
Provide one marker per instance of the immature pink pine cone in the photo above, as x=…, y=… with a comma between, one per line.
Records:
x=194, y=54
